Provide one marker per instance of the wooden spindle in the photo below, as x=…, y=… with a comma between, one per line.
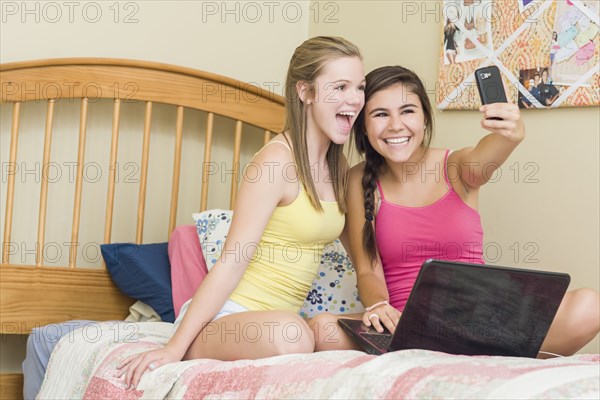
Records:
x=176, y=170
x=236, y=162
x=44, y=189
x=10, y=186
x=78, y=182
x=112, y=170
x=267, y=137
x=144, y=173
x=206, y=162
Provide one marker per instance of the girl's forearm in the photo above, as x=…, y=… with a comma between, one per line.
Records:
x=489, y=154
x=371, y=290
x=494, y=149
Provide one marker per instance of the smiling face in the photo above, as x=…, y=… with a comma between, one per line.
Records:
x=545, y=76
x=336, y=99
x=395, y=123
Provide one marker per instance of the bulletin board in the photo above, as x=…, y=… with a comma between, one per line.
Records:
x=548, y=51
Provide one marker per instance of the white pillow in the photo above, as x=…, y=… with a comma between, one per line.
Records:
x=333, y=289
x=212, y=227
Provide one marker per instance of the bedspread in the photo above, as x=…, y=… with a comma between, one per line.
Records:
x=83, y=366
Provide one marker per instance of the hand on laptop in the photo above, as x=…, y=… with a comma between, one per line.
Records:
x=383, y=316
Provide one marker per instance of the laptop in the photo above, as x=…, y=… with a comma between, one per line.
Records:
x=471, y=309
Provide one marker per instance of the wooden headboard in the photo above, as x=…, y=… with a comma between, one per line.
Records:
x=36, y=293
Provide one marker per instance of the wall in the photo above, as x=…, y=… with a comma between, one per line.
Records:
x=215, y=36
x=542, y=212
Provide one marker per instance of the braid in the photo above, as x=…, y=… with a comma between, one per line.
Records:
x=372, y=165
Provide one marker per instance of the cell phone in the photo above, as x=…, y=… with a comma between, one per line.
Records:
x=491, y=88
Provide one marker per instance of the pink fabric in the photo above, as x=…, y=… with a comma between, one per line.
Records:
x=188, y=267
x=585, y=53
x=406, y=374
x=408, y=236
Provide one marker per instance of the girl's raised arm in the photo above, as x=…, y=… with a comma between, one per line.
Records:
x=477, y=164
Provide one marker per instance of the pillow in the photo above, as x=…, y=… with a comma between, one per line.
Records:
x=188, y=268
x=143, y=273
x=212, y=227
x=333, y=289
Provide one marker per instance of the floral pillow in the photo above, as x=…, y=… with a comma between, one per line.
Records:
x=212, y=227
x=333, y=289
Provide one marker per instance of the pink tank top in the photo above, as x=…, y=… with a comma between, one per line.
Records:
x=448, y=229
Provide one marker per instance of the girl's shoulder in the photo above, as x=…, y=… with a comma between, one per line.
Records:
x=457, y=156
x=274, y=161
x=357, y=170
x=355, y=176
x=436, y=155
x=277, y=149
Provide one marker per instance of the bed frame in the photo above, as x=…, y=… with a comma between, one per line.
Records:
x=36, y=295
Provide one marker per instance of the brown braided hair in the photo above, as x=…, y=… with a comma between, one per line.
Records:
x=377, y=80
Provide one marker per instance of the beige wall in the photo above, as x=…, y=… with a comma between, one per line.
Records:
x=553, y=221
x=250, y=41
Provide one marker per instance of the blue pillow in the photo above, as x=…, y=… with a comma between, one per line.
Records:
x=143, y=272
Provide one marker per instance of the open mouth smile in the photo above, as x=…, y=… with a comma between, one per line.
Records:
x=397, y=141
x=344, y=119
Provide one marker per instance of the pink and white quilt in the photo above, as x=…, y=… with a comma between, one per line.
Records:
x=84, y=363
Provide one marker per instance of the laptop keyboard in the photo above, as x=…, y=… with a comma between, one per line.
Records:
x=381, y=340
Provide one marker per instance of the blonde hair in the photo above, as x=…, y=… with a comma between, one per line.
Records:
x=306, y=65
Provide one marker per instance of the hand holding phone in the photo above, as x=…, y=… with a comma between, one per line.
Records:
x=491, y=88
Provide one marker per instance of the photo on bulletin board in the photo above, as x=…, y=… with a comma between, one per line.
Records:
x=539, y=93
x=474, y=16
x=548, y=51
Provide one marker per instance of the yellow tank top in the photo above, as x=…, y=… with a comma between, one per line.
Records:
x=284, y=266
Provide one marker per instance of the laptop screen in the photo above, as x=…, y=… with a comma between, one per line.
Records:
x=477, y=309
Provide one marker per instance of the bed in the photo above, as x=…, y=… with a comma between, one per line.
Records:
x=225, y=121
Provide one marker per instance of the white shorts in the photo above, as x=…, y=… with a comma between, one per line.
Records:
x=230, y=307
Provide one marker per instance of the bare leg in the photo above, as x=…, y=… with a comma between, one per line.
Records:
x=253, y=335
x=576, y=323
x=329, y=335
